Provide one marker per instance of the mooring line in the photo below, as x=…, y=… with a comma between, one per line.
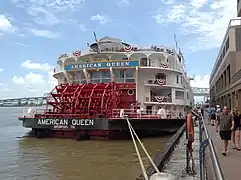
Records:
x=137, y=151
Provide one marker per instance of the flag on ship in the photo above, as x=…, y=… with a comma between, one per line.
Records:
x=97, y=42
x=175, y=40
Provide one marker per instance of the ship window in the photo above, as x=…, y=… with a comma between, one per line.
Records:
x=95, y=80
x=130, y=80
x=143, y=61
x=181, y=79
x=129, y=76
x=119, y=74
x=106, y=74
x=95, y=75
x=179, y=95
x=129, y=73
x=106, y=80
x=177, y=79
x=160, y=76
x=187, y=95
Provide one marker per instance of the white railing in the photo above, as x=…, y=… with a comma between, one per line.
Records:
x=159, y=99
x=147, y=113
x=159, y=82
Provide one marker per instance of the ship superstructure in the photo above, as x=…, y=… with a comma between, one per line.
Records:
x=155, y=76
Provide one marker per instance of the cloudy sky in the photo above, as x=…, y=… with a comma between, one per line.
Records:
x=33, y=33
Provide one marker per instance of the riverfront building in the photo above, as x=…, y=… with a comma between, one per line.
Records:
x=239, y=8
x=225, y=79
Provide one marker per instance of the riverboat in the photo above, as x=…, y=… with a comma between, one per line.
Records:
x=97, y=90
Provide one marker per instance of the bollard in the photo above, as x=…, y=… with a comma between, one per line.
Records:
x=162, y=176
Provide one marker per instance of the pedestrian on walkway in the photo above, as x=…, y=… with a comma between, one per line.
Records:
x=236, y=129
x=212, y=114
x=219, y=111
x=225, y=125
x=190, y=131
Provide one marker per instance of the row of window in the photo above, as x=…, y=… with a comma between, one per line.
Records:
x=121, y=74
x=179, y=79
x=222, y=82
x=221, y=56
x=107, y=80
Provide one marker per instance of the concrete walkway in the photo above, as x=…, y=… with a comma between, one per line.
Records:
x=230, y=164
x=177, y=163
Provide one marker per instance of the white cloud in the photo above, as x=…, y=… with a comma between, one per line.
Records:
x=21, y=44
x=124, y=3
x=201, y=81
x=206, y=20
x=36, y=66
x=54, y=5
x=1, y=69
x=42, y=16
x=18, y=80
x=44, y=33
x=30, y=84
x=5, y=24
x=50, y=12
x=100, y=18
x=83, y=27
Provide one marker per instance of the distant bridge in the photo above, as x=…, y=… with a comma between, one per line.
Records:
x=200, y=91
x=41, y=100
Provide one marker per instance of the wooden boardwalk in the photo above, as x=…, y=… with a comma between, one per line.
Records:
x=230, y=164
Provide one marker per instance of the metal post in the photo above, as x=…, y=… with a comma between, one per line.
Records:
x=200, y=131
x=202, y=158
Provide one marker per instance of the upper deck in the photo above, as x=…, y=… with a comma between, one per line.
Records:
x=113, y=53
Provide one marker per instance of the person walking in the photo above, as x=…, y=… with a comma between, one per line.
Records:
x=202, y=112
x=190, y=131
x=225, y=125
x=212, y=113
x=236, y=129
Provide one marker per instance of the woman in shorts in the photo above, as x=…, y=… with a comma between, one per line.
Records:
x=236, y=129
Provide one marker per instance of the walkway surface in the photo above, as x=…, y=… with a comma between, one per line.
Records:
x=230, y=164
x=177, y=163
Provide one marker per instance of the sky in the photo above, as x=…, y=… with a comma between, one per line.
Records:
x=33, y=33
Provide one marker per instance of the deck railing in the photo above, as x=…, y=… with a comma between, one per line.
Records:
x=160, y=99
x=144, y=113
x=205, y=167
x=115, y=114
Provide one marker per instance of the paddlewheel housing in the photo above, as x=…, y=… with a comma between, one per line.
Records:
x=84, y=100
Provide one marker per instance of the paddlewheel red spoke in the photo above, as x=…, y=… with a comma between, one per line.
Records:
x=86, y=100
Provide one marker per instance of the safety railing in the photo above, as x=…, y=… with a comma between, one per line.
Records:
x=145, y=114
x=206, y=141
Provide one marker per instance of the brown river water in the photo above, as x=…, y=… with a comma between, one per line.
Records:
x=24, y=158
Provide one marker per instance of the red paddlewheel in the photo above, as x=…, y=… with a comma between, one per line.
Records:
x=87, y=100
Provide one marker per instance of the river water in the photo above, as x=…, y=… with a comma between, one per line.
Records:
x=23, y=158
